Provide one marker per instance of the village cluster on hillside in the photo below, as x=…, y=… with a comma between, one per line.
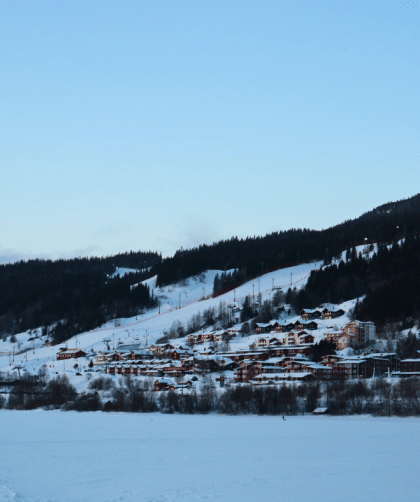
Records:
x=277, y=352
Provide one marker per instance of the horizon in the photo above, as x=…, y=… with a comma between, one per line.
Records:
x=156, y=126
x=10, y=256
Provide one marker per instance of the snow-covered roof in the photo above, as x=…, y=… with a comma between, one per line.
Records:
x=320, y=410
x=319, y=366
x=168, y=381
x=351, y=361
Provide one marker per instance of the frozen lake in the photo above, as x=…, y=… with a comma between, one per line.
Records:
x=56, y=456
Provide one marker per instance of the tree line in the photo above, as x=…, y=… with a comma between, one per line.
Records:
x=262, y=253
x=228, y=280
x=377, y=397
x=390, y=279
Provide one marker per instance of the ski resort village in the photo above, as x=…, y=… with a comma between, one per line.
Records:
x=195, y=337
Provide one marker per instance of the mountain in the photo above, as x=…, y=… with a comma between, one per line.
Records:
x=79, y=294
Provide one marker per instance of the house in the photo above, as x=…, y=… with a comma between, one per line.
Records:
x=391, y=358
x=306, y=314
x=214, y=363
x=276, y=378
x=260, y=327
x=292, y=350
x=276, y=326
x=333, y=336
x=298, y=376
x=331, y=360
x=203, y=337
x=320, y=411
x=110, y=406
x=312, y=325
x=175, y=355
x=247, y=370
x=293, y=365
x=345, y=341
x=319, y=371
x=163, y=384
x=287, y=327
x=140, y=354
x=103, y=357
x=70, y=354
x=300, y=325
x=110, y=369
x=381, y=364
x=330, y=313
x=225, y=363
x=259, y=342
x=119, y=355
x=157, y=350
x=290, y=338
x=350, y=369
x=304, y=338
x=410, y=366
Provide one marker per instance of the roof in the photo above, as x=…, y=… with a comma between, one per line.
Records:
x=168, y=381
x=320, y=410
x=319, y=366
x=351, y=361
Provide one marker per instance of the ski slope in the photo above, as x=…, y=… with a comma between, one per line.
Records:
x=188, y=295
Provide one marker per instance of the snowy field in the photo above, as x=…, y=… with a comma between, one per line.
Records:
x=55, y=456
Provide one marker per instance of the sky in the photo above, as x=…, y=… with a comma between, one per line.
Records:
x=151, y=125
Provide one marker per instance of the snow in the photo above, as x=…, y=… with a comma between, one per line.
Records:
x=104, y=457
x=121, y=272
x=151, y=325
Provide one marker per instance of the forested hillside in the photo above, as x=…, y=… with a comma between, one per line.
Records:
x=390, y=279
x=256, y=254
x=80, y=291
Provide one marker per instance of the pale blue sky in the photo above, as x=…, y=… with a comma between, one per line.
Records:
x=154, y=125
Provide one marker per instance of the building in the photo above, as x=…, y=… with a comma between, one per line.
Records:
x=307, y=314
x=349, y=369
x=163, y=384
x=360, y=333
x=70, y=353
x=328, y=313
x=410, y=366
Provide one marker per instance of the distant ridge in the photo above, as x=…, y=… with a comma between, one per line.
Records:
x=384, y=223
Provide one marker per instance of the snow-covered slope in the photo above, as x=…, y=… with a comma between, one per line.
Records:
x=178, y=302
x=121, y=271
x=193, y=297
